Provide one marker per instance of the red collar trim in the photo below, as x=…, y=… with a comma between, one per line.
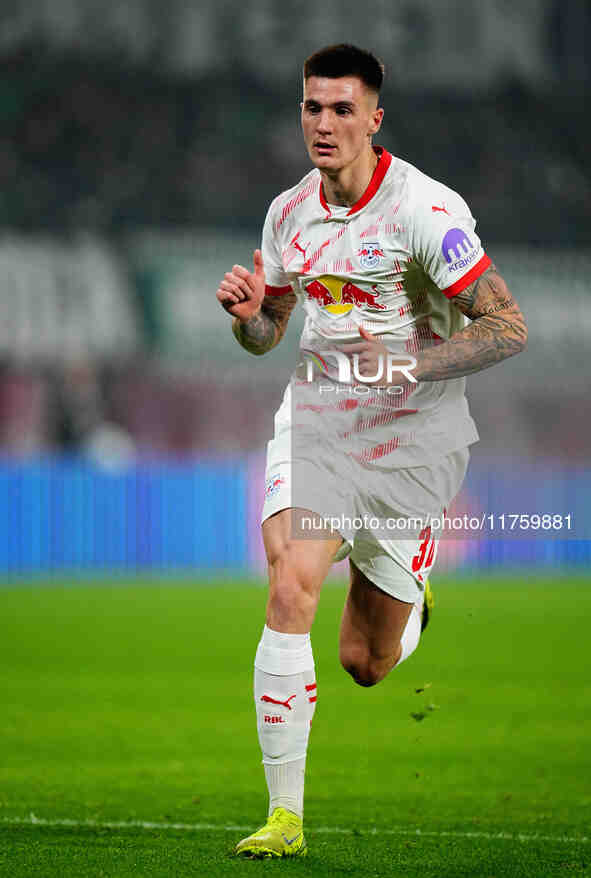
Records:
x=384, y=162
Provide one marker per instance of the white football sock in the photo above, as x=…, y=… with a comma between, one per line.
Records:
x=285, y=783
x=411, y=634
x=285, y=699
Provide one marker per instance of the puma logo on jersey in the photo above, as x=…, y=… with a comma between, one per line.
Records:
x=443, y=209
x=298, y=246
x=294, y=248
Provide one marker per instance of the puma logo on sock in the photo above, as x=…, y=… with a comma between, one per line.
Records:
x=274, y=701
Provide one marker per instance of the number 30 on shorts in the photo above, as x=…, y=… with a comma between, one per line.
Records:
x=426, y=553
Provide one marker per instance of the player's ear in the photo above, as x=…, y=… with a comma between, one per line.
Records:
x=376, y=120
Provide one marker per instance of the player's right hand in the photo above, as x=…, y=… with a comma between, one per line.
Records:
x=241, y=292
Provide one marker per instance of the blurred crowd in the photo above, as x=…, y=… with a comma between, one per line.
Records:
x=133, y=411
x=140, y=411
x=110, y=146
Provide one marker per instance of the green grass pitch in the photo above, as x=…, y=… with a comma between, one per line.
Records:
x=131, y=703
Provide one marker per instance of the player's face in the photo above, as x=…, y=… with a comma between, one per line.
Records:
x=339, y=116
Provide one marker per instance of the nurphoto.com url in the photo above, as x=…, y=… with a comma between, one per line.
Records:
x=461, y=525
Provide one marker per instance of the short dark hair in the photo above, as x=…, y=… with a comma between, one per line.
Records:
x=346, y=60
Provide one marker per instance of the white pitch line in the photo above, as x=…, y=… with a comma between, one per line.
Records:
x=32, y=820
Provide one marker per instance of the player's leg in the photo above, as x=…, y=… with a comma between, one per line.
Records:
x=297, y=569
x=377, y=630
x=389, y=598
x=284, y=680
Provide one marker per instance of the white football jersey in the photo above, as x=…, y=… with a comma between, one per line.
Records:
x=390, y=263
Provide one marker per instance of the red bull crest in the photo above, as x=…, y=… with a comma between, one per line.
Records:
x=339, y=296
x=370, y=254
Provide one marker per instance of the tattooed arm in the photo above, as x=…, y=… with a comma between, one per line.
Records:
x=266, y=328
x=259, y=320
x=498, y=331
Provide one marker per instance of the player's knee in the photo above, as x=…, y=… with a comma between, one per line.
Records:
x=364, y=674
x=360, y=666
x=291, y=568
x=365, y=668
x=287, y=599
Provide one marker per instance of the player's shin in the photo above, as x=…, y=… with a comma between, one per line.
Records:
x=285, y=699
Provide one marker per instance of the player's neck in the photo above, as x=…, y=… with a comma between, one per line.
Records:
x=346, y=186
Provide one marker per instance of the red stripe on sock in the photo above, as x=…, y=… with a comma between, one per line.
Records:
x=313, y=699
x=310, y=687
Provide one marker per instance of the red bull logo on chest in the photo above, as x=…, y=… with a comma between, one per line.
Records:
x=338, y=296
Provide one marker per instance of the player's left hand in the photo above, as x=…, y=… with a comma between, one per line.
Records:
x=373, y=359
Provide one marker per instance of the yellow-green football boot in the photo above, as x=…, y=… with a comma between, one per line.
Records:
x=428, y=604
x=281, y=836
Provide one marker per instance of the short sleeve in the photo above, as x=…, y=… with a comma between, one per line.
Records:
x=276, y=278
x=445, y=242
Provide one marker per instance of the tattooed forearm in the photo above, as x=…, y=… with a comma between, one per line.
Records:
x=498, y=331
x=257, y=335
x=486, y=342
x=265, y=329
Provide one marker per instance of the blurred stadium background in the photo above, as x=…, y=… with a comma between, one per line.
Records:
x=141, y=143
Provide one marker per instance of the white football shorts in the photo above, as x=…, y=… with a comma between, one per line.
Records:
x=391, y=517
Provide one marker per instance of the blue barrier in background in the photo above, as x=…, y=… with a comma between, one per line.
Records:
x=506, y=487
x=70, y=514
x=66, y=513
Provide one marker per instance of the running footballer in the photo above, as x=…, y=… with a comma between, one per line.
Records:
x=389, y=268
